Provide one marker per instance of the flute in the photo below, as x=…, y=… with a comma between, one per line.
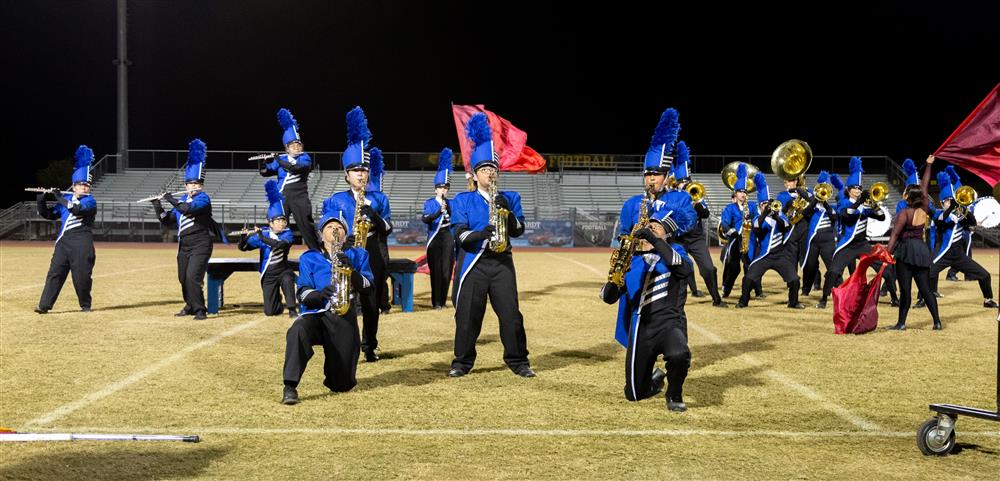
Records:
x=43, y=190
x=245, y=231
x=263, y=156
x=159, y=196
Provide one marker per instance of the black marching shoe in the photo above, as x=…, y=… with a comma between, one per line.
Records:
x=740, y=305
x=897, y=327
x=676, y=405
x=952, y=278
x=456, y=372
x=40, y=310
x=182, y=313
x=85, y=309
x=200, y=316
x=937, y=325
x=990, y=303
x=797, y=305
x=292, y=313
x=894, y=303
x=937, y=294
x=290, y=396
x=525, y=371
x=821, y=305
x=720, y=303
x=658, y=380
x=761, y=296
x=371, y=355
x=697, y=294
x=920, y=303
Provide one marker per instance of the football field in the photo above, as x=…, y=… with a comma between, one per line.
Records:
x=772, y=393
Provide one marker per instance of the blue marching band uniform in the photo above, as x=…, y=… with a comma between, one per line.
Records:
x=74, y=251
x=770, y=231
x=953, y=245
x=292, y=170
x=694, y=241
x=440, y=239
x=731, y=228
x=276, y=274
x=820, y=239
x=376, y=210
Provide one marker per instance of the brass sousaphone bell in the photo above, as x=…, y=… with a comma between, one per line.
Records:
x=729, y=175
x=791, y=159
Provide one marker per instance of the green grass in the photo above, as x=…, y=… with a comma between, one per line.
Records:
x=772, y=393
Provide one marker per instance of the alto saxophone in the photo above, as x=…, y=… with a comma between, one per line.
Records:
x=362, y=224
x=498, y=219
x=340, y=279
x=621, y=258
x=745, y=231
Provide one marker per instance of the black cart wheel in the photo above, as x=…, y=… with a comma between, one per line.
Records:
x=931, y=441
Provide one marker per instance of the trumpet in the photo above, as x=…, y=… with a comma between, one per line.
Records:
x=264, y=156
x=964, y=197
x=43, y=190
x=697, y=191
x=822, y=192
x=876, y=194
x=245, y=231
x=774, y=205
x=160, y=196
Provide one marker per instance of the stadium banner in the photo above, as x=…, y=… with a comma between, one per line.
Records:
x=594, y=233
x=408, y=231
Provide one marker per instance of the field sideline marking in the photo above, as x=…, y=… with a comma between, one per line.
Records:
x=110, y=274
x=137, y=376
x=788, y=382
x=509, y=432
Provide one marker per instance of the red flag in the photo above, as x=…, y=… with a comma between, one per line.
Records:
x=509, y=141
x=975, y=145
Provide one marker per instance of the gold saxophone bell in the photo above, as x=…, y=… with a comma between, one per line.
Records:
x=729, y=175
x=823, y=191
x=791, y=159
x=877, y=193
x=697, y=191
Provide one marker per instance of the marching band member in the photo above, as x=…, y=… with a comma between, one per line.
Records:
x=375, y=176
x=440, y=241
x=730, y=225
x=913, y=258
x=956, y=182
x=319, y=300
x=694, y=241
x=952, y=225
x=74, y=252
x=192, y=214
x=487, y=268
x=820, y=239
x=276, y=274
x=767, y=250
x=854, y=215
x=292, y=169
x=374, y=208
x=651, y=318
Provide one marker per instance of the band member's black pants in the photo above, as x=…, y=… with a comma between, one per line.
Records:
x=440, y=259
x=732, y=261
x=654, y=336
x=781, y=261
x=341, y=346
x=192, y=262
x=275, y=282
x=841, y=260
x=74, y=255
x=696, y=245
x=905, y=273
x=492, y=277
x=956, y=257
x=822, y=245
x=297, y=205
x=370, y=305
x=889, y=276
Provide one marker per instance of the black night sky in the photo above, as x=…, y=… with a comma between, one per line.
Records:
x=851, y=78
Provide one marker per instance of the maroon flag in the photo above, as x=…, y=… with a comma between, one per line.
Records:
x=975, y=145
x=509, y=141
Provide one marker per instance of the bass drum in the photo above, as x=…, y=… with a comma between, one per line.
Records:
x=880, y=228
x=987, y=212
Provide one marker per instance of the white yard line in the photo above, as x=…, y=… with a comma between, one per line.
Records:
x=500, y=432
x=137, y=376
x=777, y=376
x=110, y=274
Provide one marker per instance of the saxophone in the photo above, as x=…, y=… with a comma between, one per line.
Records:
x=362, y=225
x=340, y=279
x=621, y=258
x=745, y=231
x=498, y=219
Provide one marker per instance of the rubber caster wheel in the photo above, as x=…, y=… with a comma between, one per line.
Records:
x=931, y=439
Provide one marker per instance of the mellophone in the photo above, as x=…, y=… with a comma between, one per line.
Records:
x=43, y=190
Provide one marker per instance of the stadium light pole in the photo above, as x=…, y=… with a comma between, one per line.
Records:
x=122, y=62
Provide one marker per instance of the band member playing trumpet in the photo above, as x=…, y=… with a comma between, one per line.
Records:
x=74, y=251
x=820, y=239
x=694, y=241
x=952, y=222
x=440, y=241
x=735, y=227
x=329, y=278
x=368, y=216
x=767, y=250
x=292, y=169
x=854, y=210
x=276, y=274
x=484, y=222
x=192, y=215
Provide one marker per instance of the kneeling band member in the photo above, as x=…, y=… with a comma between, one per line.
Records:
x=651, y=318
x=276, y=274
x=327, y=315
x=767, y=249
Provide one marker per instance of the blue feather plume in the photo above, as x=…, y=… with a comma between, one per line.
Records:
x=357, y=127
x=760, y=182
x=836, y=182
x=741, y=170
x=943, y=179
x=286, y=120
x=83, y=157
x=329, y=206
x=445, y=159
x=683, y=153
x=952, y=174
x=855, y=167
x=377, y=166
x=271, y=189
x=667, y=130
x=909, y=167
x=196, y=152
x=823, y=177
x=478, y=129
